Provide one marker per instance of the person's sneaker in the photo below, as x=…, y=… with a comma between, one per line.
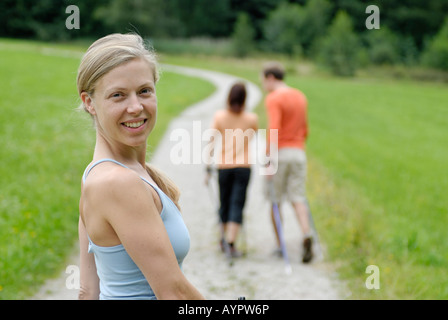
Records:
x=307, y=250
x=223, y=245
x=234, y=252
x=277, y=252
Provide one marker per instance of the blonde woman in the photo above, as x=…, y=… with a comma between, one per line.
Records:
x=132, y=236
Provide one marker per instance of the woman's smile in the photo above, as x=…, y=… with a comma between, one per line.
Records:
x=134, y=124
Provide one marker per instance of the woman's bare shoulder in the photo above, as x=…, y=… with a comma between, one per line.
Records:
x=109, y=173
x=111, y=183
x=251, y=118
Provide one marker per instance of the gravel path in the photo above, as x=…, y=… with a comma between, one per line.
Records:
x=259, y=275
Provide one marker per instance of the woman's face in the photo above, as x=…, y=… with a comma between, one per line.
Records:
x=124, y=104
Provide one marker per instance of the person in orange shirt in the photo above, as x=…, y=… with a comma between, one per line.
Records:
x=287, y=112
x=236, y=127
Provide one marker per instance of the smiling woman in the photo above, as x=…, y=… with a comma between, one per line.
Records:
x=129, y=215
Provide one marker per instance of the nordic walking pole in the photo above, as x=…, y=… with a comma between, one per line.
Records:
x=278, y=226
x=313, y=226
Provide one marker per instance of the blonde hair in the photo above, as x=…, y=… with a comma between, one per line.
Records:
x=164, y=183
x=108, y=53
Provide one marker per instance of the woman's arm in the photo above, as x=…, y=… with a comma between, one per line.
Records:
x=128, y=205
x=89, y=282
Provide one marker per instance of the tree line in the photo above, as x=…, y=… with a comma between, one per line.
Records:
x=411, y=32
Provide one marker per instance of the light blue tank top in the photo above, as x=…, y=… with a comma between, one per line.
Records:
x=120, y=278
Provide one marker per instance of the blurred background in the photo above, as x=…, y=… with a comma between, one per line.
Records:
x=412, y=32
x=378, y=115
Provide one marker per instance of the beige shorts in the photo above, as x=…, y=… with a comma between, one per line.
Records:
x=289, y=181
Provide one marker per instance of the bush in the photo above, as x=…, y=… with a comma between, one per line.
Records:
x=316, y=20
x=383, y=46
x=243, y=36
x=339, y=49
x=436, y=54
x=409, y=52
x=282, y=29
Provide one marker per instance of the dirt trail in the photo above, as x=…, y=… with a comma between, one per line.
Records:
x=259, y=275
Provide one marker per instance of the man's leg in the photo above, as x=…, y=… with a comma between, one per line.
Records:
x=301, y=212
x=304, y=221
x=297, y=195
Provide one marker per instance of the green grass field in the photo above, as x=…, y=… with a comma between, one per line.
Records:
x=384, y=146
x=45, y=146
x=378, y=175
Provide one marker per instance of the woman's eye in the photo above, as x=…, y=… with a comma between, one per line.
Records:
x=116, y=95
x=146, y=91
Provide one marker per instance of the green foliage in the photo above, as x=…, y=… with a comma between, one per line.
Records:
x=417, y=19
x=243, y=36
x=257, y=10
x=292, y=27
x=148, y=18
x=382, y=46
x=45, y=19
x=317, y=14
x=338, y=50
x=436, y=54
x=201, y=18
x=409, y=53
x=282, y=29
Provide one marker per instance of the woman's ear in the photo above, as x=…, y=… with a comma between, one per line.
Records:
x=88, y=103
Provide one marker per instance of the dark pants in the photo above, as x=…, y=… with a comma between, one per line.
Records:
x=232, y=192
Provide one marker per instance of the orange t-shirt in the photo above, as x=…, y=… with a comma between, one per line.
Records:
x=236, y=129
x=287, y=112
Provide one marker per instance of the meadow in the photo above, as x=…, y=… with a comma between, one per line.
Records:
x=378, y=168
x=45, y=145
x=383, y=147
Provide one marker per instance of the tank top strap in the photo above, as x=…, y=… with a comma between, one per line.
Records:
x=89, y=168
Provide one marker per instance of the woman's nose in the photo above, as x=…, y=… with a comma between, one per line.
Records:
x=134, y=106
